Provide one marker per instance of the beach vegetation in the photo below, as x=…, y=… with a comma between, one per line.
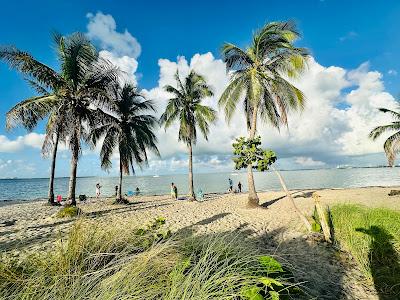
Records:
x=119, y=261
x=259, y=80
x=392, y=143
x=186, y=108
x=128, y=128
x=372, y=237
x=69, y=211
x=248, y=153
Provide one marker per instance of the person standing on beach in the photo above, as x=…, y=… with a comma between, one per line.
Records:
x=98, y=187
x=116, y=190
x=239, y=187
x=230, y=185
x=172, y=190
x=175, y=192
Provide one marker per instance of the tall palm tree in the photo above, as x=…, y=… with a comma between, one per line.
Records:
x=128, y=128
x=77, y=93
x=259, y=79
x=392, y=143
x=186, y=108
x=30, y=111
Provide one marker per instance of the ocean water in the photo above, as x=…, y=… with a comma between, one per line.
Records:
x=25, y=189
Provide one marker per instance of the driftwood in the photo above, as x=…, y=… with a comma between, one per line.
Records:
x=322, y=218
x=299, y=213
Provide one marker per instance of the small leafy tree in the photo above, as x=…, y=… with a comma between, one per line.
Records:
x=248, y=152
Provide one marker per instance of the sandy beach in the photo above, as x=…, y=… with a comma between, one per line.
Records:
x=31, y=226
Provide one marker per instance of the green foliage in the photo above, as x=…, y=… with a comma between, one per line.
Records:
x=117, y=260
x=316, y=223
x=69, y=212
x=185, y=107
x=391, y=145
x=259, y=75
x=249, y=152
x=372, y=236
x=130, y=129
x=270, y=282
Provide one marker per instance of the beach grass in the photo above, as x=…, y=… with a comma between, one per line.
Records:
x=119, y=260
x=372, y=236
x=69, y=212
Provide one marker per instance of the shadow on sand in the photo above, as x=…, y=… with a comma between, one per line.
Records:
x=384, y=262
x=314, y=267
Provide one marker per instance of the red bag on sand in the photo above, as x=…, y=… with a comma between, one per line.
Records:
x=59, y=198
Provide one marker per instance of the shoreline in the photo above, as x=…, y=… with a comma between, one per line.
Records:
x=6, y=202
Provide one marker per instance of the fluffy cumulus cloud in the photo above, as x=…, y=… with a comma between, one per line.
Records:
x=341, y=110
x=120, y=48
x=33, y=140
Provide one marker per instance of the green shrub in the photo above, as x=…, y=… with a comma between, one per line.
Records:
x=69, y=211
x=372, y=236
x=117, y=260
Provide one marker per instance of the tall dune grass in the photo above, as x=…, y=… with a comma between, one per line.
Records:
x=372, y=236
x=121, y=261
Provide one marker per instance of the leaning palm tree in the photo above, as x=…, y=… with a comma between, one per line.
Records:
x=30, y=111
x=186, y=108
x=77, y=93
x=259, y=78
x=392, y=143
x=128, y=128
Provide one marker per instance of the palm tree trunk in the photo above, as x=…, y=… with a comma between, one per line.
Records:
x=299, y=213
x=119, y=197
x=72, y=177
x=192, y=197
x=53, y=169
x=253, y=200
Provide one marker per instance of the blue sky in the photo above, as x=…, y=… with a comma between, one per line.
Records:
x=340, y=34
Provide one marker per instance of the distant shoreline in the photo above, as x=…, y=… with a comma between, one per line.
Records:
x=225, y=172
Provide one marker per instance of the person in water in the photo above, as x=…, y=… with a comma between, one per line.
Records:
x=98, y=187
x=239, y=187
x=137, y=191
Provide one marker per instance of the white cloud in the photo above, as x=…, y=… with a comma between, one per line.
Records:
x=308, y=162
x=32, y=139
x=341, y=110
x=103, y=28
x=121, y=49
x=392, y=72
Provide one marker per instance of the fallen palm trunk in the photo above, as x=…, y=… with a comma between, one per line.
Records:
x=299, y=213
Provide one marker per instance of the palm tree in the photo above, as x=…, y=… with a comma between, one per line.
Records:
x=127, y=128
x=77, y=93
x=392, y=143
x=186, y=108
x=259, y=78
x=30, y=111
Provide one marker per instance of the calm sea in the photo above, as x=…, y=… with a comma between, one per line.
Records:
x=22, y=189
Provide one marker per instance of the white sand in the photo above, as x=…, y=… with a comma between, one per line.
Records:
x=276, y=226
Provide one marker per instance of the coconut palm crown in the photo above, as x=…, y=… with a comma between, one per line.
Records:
x=185, y=107
x=259, y=78
x=129, y=128
x=392, y=143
